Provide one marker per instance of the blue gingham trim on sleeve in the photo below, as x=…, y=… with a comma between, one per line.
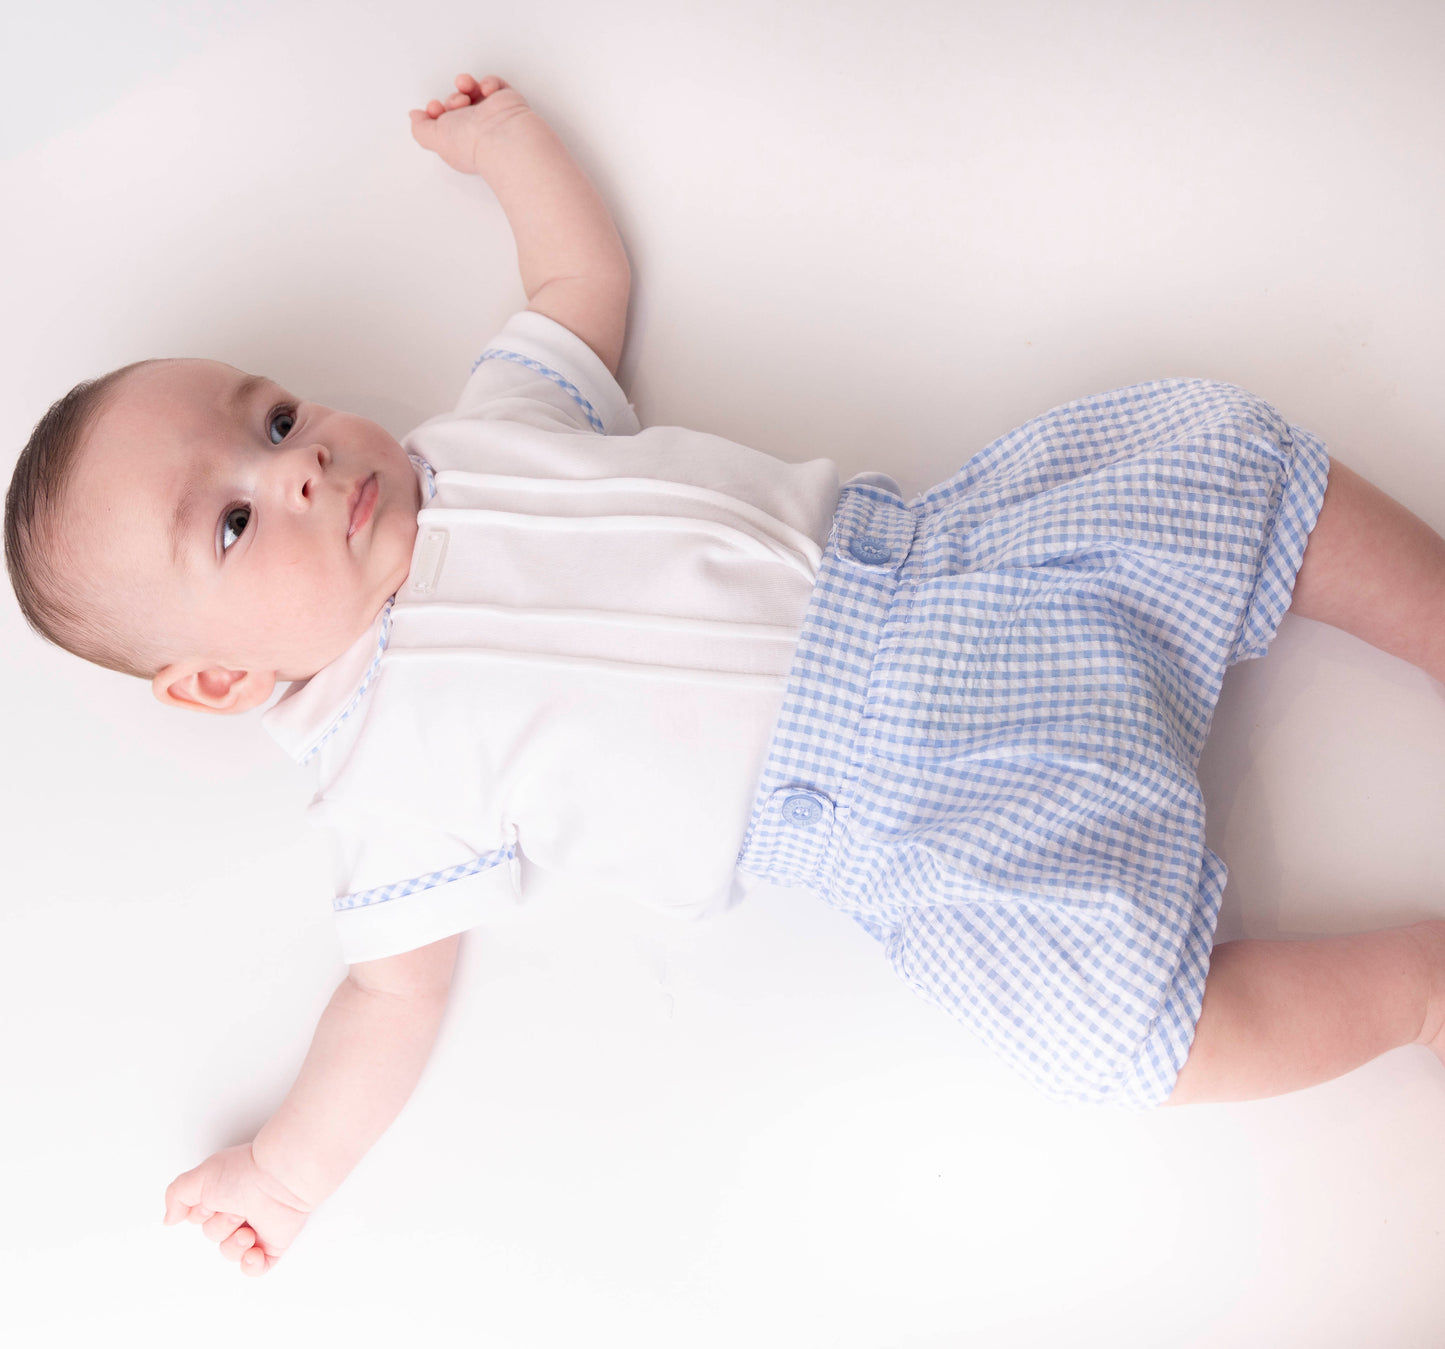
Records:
x=383, y=894
x=562, y=382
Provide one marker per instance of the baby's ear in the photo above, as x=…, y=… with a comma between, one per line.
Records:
x=207, y=688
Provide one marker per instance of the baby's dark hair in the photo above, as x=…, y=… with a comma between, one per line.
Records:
x=35, y=553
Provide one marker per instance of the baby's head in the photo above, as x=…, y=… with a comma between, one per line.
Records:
x=199, y=527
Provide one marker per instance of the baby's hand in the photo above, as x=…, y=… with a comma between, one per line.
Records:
x=454, y=128
x=252, y=1215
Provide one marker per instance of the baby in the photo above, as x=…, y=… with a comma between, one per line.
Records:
x=533, y=634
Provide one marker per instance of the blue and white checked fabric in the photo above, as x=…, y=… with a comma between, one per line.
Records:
x=987, y=750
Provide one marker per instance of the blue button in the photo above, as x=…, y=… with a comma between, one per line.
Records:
x=871, y=551
x=802, y=809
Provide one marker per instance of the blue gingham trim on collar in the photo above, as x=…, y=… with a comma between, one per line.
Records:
x=428, y=473
x=365, y=684
x=565, y=384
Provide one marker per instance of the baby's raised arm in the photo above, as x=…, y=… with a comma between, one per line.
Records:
x=573, y=265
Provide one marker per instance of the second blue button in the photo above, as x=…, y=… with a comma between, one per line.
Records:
x=873, y=552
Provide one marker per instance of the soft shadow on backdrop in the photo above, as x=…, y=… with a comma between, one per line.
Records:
x=880, y=233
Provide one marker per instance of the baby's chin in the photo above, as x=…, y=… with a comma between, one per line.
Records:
x=296, y=667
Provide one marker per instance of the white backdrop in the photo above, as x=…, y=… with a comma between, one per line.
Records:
x=883, y=233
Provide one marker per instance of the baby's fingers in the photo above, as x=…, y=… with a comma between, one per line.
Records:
x=468, y=92
x=221, y=1226
x=244, y=1248
x=256, y=1261
x=181, y=1194
x=235, y=1246
x=474, y=90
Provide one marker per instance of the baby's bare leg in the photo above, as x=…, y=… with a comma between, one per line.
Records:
x=1281, y=1015
x=1376, y=570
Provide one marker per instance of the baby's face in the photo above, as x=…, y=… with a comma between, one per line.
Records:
x=237, y=524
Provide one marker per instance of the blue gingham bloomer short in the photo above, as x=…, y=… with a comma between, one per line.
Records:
x=988, y=746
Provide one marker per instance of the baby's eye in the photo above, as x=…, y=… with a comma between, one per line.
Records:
x=233, y=525
x=278, y=427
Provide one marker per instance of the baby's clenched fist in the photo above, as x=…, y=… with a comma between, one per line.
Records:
x=454, y=127
x=248, y=1212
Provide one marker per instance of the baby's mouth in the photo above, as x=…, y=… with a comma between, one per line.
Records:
x=363, y=504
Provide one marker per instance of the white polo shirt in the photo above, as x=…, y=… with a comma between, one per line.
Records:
x=583, y=669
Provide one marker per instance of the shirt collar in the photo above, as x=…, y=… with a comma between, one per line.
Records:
x=425, y=474
x=312, y=710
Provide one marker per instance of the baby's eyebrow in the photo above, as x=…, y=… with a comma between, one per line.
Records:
x=246, y=388
x=181, y=518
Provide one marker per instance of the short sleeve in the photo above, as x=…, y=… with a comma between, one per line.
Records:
x=398, y=889
x=537, y=372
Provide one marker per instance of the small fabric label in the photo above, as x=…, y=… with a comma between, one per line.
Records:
x=427, y=566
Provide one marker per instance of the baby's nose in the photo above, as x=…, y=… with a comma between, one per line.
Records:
x=307, y=470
